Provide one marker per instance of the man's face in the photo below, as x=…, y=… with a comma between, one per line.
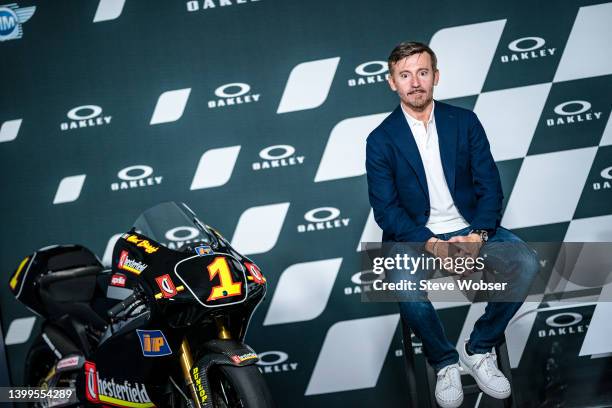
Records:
x=413, y=79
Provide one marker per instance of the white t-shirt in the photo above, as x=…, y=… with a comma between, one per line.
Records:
x=444, y=216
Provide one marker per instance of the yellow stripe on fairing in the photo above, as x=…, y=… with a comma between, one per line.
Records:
x=14, y=279
x=122, y=403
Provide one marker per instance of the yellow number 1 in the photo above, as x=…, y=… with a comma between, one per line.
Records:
x=227, y=287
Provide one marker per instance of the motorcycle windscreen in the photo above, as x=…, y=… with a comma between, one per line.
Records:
x=214, y=280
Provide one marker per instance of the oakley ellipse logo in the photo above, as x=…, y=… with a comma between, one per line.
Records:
x=85, y=116
x=136, y=176
x=277, y=156
x=371, y=72
x=573, y=112
x=606, y=184
x=322, y=218
x=179, y=236
x=235, y=93
x=527, y=48
x=562, y=324
x=275, y=362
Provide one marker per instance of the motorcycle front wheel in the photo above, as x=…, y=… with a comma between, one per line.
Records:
x=239, y=387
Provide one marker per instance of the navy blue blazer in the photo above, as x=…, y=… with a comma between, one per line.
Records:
x=397, y=185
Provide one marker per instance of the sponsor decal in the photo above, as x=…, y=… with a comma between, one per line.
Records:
x=153, y=343
x=244, y=357
x=275, y=362
x=371, y=72
x=316, y=222
x=605, y=174
x=129, y=180
x=563, y=324
x=68, y=362
x=203, y=250
x=118, y=279
x=527, y=48
x=196, y=5
x=277, y=156
x=11, y=18
x=573, y=112
x=255, y=273
x=141, y=243
x=130, y=265
x=85, y=116
x=166, y=285
x=102, y=391
x=197, y=380
x=236, y=93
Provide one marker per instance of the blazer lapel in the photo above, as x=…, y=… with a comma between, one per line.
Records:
x=447, y=139
x=402, y=136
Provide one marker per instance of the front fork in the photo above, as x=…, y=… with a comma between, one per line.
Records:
x=186, y=360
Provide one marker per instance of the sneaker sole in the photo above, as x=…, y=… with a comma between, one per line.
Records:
x=451, y=404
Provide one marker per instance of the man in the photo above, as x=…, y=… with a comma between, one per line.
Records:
x=432, y=180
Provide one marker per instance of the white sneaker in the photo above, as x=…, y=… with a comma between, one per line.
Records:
x=483, y=367
x=449, y=391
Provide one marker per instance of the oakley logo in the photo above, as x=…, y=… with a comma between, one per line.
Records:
x=136, y=176
x=277, y=156
x=85, y=116
x=236, y=93
x=370, y=72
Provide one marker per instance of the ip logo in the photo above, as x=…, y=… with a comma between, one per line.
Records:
x=153, y=343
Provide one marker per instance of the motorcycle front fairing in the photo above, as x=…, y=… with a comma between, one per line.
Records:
x=186, y=290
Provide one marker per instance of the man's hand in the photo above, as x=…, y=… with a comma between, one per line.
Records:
x=469, y=244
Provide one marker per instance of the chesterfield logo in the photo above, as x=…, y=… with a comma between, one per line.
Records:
x=527, y=48
x=85, y=116
x=605, y=174
x=572, y=112
x=130, y=265
x=236, y=93
x=129, y=180
x=277, y=156
x=562, y=324
x=11, y=19
x=275, y=362
x=371, y=72
x=210, y=4
x=317, y=222
x=179, y=236
x=99, y=390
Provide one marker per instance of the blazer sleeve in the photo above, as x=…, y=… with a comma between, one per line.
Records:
x=384, y=199
x=487, y=184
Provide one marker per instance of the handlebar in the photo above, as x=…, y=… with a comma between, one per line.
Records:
x=123, y=305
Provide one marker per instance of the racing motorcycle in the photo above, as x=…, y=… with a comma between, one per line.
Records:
x=164, y=327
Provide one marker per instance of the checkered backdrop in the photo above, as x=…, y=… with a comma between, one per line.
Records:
x=255, y=114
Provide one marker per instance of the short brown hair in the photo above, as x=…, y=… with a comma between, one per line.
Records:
x=408, y=48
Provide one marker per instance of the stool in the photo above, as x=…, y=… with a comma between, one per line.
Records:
x=503, y=363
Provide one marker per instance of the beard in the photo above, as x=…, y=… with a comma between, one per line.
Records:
x=418, y=100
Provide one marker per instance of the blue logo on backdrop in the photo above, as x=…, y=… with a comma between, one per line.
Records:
x=153, y=343
x=11, y=19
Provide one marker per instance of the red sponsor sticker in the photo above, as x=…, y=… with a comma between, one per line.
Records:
x=236, y=359
x=91, y=382
x=255, y=273
x=122, y=258
x=166, y=285
x=118, y=280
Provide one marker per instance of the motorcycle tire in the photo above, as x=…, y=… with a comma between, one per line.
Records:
x=238, y=387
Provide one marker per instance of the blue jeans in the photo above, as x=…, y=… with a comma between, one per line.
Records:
x=513, y=261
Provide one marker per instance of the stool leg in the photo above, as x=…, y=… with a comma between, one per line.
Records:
x=409, y=365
